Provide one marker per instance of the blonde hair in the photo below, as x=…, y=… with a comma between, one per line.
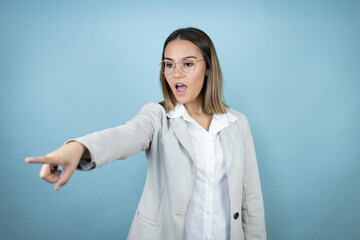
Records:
x=212, y=88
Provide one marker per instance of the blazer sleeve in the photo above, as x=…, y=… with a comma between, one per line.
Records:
x=122, y=141
x=253, y=217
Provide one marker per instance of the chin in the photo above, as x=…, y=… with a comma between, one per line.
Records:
x=181, y=101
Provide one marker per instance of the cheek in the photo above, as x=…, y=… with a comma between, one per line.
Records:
x=199, y=81
x=170, y=84
x=168, y=81
x=199, y=85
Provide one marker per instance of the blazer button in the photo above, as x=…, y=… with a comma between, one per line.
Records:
x=236, y=215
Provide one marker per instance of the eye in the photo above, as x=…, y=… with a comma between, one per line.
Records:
x=169, y=64
x=188, y=63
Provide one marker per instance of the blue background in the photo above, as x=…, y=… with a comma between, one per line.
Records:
x=68, y=68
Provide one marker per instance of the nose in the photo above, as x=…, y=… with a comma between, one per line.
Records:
x=177, y=71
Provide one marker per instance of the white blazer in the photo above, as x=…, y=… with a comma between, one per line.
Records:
x=171, y=173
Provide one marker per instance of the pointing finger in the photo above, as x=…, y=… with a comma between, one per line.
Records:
x=36, y=160
x=42, y=159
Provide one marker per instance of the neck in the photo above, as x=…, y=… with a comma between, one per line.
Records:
x=194, y=107
x=196, y=111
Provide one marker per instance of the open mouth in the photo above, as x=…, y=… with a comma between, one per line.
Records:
x=180, y=88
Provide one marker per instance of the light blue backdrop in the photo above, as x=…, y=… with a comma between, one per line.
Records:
x=68, y=68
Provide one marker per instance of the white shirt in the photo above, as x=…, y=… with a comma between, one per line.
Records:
x=208, y=215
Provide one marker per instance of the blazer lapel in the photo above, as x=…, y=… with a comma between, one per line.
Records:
x=227, y=137
x=180, y=129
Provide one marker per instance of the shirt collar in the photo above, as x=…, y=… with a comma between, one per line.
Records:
x=219, y=121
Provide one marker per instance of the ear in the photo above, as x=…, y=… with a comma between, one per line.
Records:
x=207, y=72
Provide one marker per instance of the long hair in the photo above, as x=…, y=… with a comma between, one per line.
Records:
x=212, y=88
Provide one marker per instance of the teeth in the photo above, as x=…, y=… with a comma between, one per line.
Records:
x=179, y=85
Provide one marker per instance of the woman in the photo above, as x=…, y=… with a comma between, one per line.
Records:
x=202, y=180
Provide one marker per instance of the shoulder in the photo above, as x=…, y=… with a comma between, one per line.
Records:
x=153, y=107
x=242, y=121
x=154, y=112
x=241, y=118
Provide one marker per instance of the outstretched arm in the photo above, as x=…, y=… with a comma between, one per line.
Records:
x=101, y=147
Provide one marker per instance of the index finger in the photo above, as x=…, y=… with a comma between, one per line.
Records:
x=42, y=159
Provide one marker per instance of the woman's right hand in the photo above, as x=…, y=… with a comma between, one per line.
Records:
x=67, y=156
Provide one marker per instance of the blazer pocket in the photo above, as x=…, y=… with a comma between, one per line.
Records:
x=144, y=228
x=146, y=220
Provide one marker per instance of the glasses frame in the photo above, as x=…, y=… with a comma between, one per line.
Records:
x=178, y=62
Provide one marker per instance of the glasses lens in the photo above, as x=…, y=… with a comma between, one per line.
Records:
x=168, y=67
x=188, y=65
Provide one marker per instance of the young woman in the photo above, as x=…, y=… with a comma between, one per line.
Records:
x=202, y=180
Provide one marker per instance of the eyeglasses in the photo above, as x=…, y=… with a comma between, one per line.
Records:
x=187, y=65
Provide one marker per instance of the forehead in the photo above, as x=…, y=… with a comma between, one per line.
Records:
x=178, y=49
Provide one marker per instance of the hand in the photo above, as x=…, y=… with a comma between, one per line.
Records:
x=67, y=156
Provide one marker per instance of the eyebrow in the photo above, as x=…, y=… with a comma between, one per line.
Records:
x=166, y=58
